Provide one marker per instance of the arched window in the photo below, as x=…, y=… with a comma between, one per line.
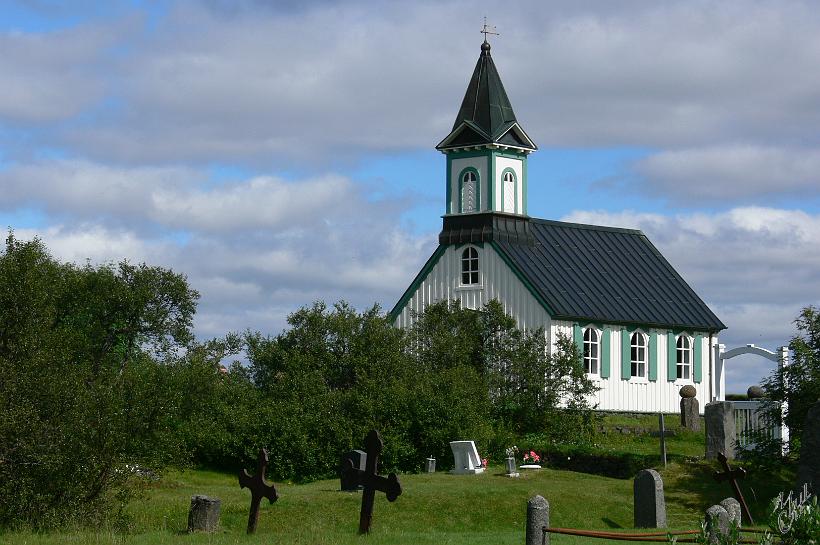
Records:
x=469, y=192
x=508, y=181
x=638, y=354
x=684, y=357
x=591, y=352
x=469, y=266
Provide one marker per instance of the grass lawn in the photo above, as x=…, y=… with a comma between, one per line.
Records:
x=434, y=509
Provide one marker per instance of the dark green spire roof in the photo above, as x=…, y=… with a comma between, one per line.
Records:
x=486, y=115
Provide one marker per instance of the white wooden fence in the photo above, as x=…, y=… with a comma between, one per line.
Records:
x=751, y=423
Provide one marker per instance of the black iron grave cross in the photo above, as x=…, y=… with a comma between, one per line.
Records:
x=732, y=475
x=371, y=481
x=258, y=487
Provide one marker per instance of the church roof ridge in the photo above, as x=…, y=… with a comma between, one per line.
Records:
x=589, y=226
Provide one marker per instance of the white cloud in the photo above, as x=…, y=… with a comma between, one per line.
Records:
x=691, y=176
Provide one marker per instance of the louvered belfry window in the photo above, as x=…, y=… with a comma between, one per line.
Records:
x=469, y=192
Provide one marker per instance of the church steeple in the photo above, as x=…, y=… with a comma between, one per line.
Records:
x=486, y=115
x=487, y=148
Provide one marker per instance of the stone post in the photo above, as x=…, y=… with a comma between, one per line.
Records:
x=649, y=503
x=689, y=408
x=732, y=507
x=808, y=470
x=538, y=516
x=430, y=465
x=717, y=523
x=720, y=429
x=203, y=515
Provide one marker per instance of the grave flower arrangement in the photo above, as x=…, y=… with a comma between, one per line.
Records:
x=511, y=451
x=531, y=458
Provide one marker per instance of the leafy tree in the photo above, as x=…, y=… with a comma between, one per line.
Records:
x=83, y=401
x=797, y=384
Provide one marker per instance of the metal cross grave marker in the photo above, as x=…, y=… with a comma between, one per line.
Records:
x=732, y=475
x=371, y=481
x=258, y=487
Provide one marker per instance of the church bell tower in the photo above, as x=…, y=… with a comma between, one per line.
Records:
x=486, y=163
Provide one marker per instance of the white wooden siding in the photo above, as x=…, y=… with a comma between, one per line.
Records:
x=616, y=394
x=497, y=281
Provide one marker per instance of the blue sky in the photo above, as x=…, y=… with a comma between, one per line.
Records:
x=279, y=153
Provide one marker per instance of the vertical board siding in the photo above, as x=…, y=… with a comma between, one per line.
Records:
x=616, y=393
x=497, y=281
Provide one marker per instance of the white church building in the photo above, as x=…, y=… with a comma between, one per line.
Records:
x=643, y=331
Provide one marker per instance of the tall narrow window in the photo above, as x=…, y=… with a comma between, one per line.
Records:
x=638, y=354
x=509, y=192
x=684, y=357
x=591, y=351
x=469, y=266
x=469, y=192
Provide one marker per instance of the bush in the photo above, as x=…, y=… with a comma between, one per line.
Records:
x=84, y=404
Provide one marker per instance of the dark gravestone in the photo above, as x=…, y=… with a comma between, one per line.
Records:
x=538, y=517
x=720, y=429
x=717, y=523
x=357, y=459
x=203, y=515
x=689, y=408
x=650, y=506
x=808, y=471
x=258, y=487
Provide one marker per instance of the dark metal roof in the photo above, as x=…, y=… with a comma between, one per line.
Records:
x=486, y=115
x=606, y=274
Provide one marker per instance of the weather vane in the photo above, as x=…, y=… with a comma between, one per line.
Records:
x=488, y=30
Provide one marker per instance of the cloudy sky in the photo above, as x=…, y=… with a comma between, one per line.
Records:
x=280, y=152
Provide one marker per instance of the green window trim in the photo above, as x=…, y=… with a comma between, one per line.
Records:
x=653, y=356
x=697, y=372
x=578, y=337
x=626, y=354
x=671, y=356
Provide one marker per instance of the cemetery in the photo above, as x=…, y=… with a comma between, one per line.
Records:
x=310, y=444
x=502, y=400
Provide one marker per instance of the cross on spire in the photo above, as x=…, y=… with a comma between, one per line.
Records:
x=488, y=30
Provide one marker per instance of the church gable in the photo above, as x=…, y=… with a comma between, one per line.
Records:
x=473, y=274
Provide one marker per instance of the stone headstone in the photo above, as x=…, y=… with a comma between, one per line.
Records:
x=430, y=465
x=720, y=429
x=717, y=523
x=538, y=516
x=203, y=516
x=509, y=462
x=808, y=471
x=650, y=506
x=467, y=460
x=690, y=413
x=732, y=507
x=359, y=460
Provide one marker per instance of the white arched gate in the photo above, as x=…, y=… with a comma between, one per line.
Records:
x=748, y=418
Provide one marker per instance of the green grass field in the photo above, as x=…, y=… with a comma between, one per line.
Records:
x=434, y=509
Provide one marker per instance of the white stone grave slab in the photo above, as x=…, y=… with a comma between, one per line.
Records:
x=467, y=461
